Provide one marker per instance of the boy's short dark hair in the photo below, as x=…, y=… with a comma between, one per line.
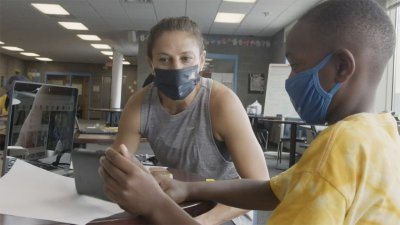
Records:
x=352, y=20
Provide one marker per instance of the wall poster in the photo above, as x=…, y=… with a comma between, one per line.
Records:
x=256, y=83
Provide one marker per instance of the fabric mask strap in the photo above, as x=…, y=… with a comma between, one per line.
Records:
x=323, y=62
x=335, y=89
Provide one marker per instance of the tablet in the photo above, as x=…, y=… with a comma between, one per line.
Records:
x=87, y=179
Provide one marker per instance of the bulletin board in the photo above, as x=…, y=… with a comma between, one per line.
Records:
x=224, y=78
x=277, y=101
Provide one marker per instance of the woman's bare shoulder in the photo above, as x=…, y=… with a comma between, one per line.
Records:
x=136, y=98
x=221, y=94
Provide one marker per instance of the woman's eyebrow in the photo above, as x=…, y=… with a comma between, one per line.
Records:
x=163, y=54
x=187, y=52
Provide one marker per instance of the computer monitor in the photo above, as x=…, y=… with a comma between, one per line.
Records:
x=40, y=122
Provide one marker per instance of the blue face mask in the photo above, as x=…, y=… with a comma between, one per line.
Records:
x=176, y=84
x=309, y=99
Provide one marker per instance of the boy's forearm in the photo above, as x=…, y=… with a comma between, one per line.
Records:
x=243, y=193
x=168, y=212
x=220, y=214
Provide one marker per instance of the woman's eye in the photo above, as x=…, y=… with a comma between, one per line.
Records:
x=164, y=60
x=186, y=59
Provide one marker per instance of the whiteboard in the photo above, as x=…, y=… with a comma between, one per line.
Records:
x=277, y=101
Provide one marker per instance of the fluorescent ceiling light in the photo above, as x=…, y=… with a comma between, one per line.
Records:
x=29, y=54
x=243, y=1
x=229, y=17
x=43, y=59
x=73, y=25
x=112, y=57
x=1, y=43
x=88, y=37
x=101, y=46
x=12, y=48
x=50, y=9
x=107, y=52
x=126, y=63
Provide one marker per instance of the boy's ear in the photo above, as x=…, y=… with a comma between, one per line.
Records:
x=345, y=65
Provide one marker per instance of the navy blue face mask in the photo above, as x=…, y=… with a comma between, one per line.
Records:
x=309, y=99
x=176, y=84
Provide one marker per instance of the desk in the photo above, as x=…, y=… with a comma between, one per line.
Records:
x=254, y=120
x=193, y=208
x=293, y=135
x=112, y=117
x=83, y=139
x=105, y=139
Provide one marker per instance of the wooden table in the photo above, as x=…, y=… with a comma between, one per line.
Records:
x=293, y=134
x=83, y=139
x=193, y=208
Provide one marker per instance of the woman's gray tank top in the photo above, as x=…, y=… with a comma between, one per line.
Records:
x=185, y=140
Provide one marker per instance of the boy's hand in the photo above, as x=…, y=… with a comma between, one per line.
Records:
x=129, y=184
x=177, y=190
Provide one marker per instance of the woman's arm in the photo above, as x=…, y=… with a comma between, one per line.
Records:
x=129, y=124
x=231, y=124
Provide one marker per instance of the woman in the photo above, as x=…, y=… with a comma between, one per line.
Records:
x=4, y=99
x=192, y=123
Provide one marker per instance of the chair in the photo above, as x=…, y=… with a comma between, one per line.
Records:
x=262, y=137
x=285, y=138
x=275, y=133
x=113, y=119
x=261, y=133
x=311, y=133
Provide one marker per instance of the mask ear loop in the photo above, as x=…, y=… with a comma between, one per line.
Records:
x=335, y=89
x=316, y=70
x=324, y=61
x=153, y=72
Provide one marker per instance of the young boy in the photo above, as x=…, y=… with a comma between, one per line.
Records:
x=350, y=174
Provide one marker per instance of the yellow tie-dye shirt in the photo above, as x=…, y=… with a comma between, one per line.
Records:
x=350, y=174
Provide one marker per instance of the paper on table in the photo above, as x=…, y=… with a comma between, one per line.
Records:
x=32, y=192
